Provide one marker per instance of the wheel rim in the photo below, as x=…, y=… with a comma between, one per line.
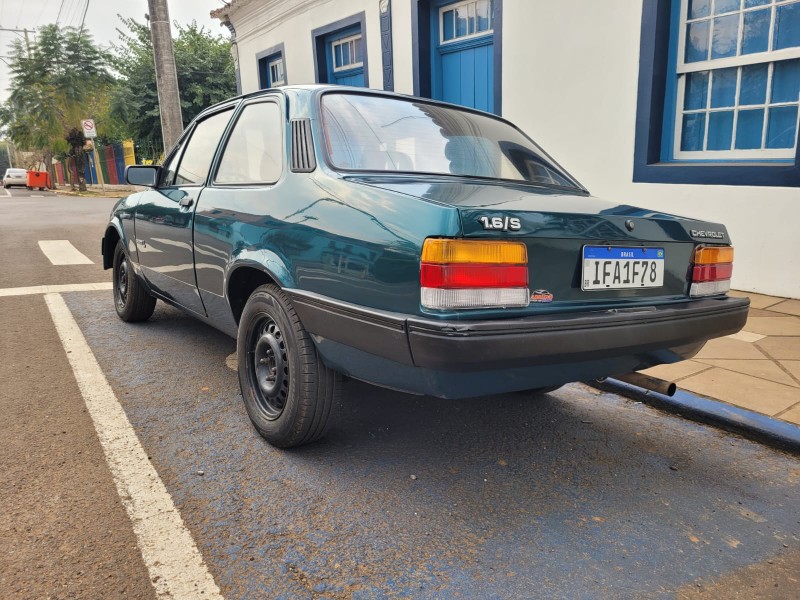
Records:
x=268, y=367
x=122, y=282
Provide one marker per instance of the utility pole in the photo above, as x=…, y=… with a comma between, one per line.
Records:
x=169, y=101
x=18, y=31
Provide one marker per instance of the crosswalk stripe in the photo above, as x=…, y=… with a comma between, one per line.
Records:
x=62, y=252
x=56, y=289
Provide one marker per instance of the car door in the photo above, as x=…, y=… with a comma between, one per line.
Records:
x=244, y=202
x=165, y=215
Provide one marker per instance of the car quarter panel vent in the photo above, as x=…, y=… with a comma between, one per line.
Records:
x=303, y=160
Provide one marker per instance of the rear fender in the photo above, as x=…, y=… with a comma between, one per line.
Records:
x=251, y=269
x=263, y=260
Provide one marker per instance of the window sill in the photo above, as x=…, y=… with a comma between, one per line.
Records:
x=770, y=174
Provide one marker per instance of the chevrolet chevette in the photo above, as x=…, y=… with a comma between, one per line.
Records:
x=408, y=243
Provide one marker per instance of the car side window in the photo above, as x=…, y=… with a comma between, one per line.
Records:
x=254, y=152
x=168, y=170
x=200, y=150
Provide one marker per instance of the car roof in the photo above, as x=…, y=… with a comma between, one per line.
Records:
x=319, y=88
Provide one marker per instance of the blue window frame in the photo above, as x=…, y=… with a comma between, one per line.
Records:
x=271, y=67
x=340, y=52
x=719, y=92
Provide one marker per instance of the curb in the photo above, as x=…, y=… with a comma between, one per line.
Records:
x=748, y=424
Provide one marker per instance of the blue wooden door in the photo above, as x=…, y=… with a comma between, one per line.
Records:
x=463, y=57
x=344, y=52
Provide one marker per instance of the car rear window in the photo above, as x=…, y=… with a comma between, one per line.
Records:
x=376, y=133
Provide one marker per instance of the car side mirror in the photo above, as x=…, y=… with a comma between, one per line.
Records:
x=146, y=175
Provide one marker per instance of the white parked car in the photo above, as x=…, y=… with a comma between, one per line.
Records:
x=15, y=177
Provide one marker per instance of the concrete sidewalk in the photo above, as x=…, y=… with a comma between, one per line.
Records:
x=757, y=368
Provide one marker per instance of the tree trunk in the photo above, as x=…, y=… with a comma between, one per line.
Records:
x=80, y=156
x=50, y=168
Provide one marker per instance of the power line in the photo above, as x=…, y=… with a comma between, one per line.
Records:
x=41, y=12
x=60, y=8
x=19, y=13
x=77, y=12
x=69, y=12
x=62, y=13
x=83, y=20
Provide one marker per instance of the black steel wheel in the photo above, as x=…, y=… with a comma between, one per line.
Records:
x=131, y=300
x=289, y=394
x=269, y=376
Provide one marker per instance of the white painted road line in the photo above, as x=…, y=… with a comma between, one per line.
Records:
x=56, y=289
x=61, y=252
x=173, y=561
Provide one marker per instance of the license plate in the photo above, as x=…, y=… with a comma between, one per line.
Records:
x=622, y=268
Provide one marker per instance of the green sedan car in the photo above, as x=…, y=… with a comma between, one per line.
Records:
x=408, y=243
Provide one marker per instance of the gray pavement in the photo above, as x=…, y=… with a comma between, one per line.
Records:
x=576, y=494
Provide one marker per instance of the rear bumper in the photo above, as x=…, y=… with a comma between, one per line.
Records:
x=572, y=337
x=574, y=345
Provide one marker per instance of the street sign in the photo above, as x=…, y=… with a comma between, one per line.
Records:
x=88, y=128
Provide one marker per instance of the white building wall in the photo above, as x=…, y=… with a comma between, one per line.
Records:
x=570, y=73
x=263, y=24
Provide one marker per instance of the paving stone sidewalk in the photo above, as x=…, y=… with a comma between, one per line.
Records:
x=757, y=368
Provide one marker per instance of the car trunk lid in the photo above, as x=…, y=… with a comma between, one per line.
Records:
x=557, y=224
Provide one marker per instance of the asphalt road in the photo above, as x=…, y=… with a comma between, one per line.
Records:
x=576, y=494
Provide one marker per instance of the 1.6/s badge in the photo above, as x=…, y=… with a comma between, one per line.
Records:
x=500, y=223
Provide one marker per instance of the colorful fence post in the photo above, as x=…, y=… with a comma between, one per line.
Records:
x=128, y=153
x=119, y=162
x=101, y=159
x=111, y=165
x=89, y=168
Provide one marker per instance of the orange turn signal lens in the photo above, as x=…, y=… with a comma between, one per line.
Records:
x=438, y=251
x=709, y=255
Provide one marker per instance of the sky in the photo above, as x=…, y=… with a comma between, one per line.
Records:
x=101, y=19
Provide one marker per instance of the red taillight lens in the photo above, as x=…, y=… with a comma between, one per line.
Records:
x=471, y=276
x=463, y=274
x=712, y=270
x=702, y=273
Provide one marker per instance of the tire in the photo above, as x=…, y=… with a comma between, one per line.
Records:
x=132, y=301
x=289, y=394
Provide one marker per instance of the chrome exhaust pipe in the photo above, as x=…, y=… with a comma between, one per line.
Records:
x=668, y=388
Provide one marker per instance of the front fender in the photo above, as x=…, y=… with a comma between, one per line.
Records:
x=121, y=226
x=115, y=230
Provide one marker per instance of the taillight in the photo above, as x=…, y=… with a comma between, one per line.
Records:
x=459, y=274
x=712, y=270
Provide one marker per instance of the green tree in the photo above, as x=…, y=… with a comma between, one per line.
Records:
x=205, y=76
x=55, y=81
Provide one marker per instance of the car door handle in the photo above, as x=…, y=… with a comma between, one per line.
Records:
x=186, y=201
